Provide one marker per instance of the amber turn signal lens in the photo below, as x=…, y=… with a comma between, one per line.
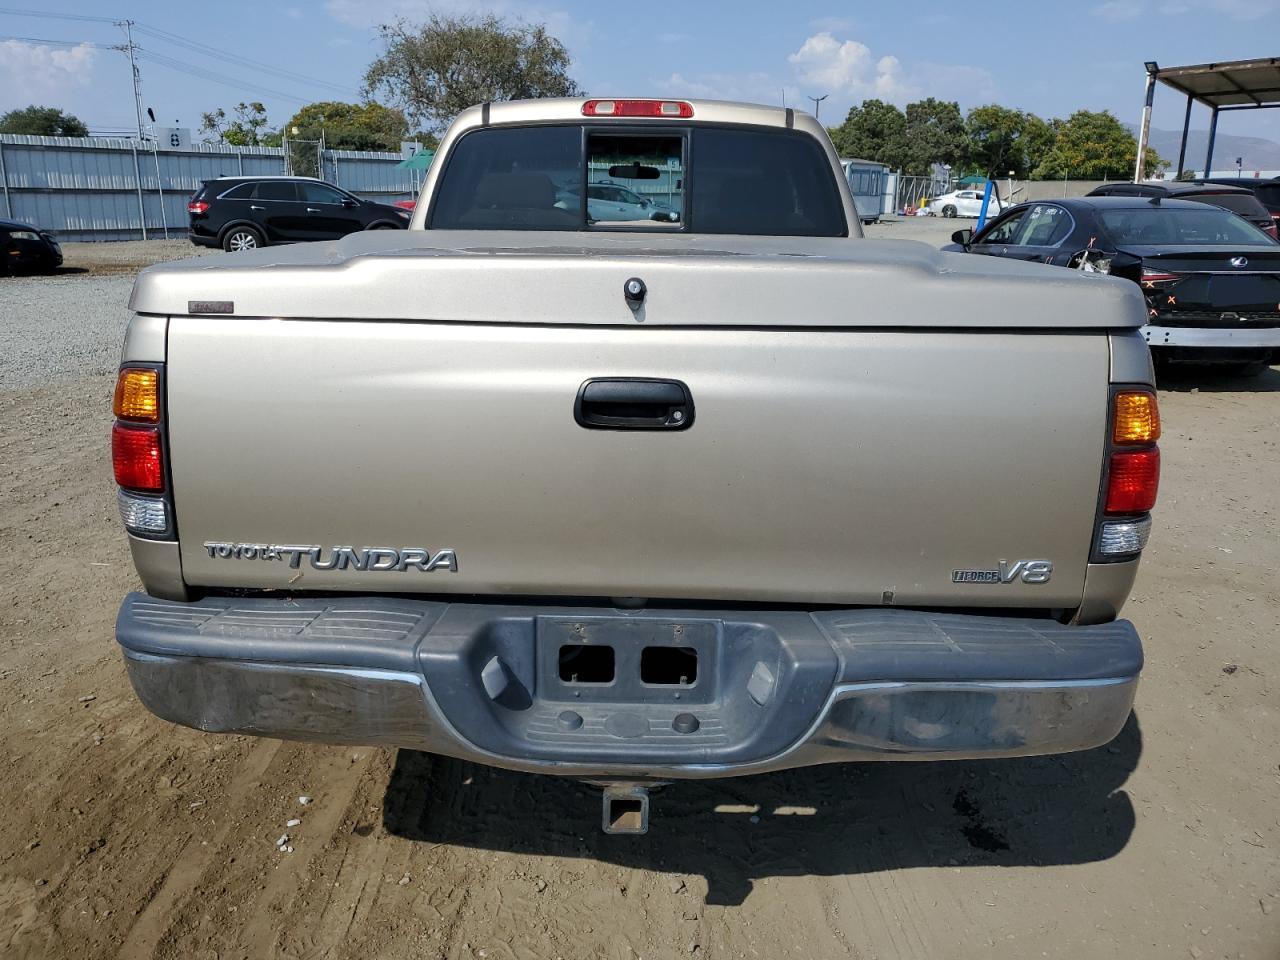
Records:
x=1137, y=418
x=137, y=395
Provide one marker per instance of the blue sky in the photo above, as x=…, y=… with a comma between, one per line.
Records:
x=1087, y=55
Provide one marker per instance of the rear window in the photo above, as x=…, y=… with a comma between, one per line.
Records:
x=764, y=182
x=1179, y=228
x=242, y=191
x=700, y=179
x=1245, y=204
x=1269, y=195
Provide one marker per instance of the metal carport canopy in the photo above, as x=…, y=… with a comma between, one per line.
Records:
x=1233, y=85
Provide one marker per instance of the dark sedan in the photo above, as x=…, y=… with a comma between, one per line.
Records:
x=1211, y=279
x=27, y=249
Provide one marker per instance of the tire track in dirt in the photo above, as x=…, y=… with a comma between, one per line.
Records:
x=191, y=862
x=341, y=776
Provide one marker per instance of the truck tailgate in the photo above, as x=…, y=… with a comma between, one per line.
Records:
x=852, y=466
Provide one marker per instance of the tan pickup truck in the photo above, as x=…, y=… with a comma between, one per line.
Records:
x=697, y=482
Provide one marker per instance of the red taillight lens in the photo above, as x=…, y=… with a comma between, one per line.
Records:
x=638, y=108
x=197, y=206
x=135, y=457
x=1150, y=276
x=1133, y=480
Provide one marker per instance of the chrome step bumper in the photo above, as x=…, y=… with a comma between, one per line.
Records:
x=1224, y=336
x=773, y=689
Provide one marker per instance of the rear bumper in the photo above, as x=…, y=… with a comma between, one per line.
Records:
x=1212, y=336
x=773, y=689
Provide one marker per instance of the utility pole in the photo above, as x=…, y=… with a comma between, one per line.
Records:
x=129, y=48
x=817, y=103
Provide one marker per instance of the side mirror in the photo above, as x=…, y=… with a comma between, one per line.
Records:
x=349, y=203
x=963, y=237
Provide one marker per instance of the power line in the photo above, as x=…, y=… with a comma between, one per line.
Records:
x=238, y=60
x=54, y=16
x=213, y=77
x=168, y=62
x=194, y=46
x=62, y=43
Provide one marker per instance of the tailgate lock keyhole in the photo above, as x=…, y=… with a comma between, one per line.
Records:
x=634, y=291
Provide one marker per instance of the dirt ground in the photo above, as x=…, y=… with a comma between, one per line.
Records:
x=124, y=836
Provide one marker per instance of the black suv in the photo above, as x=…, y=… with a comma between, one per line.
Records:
x=1238, y=200
x=1267, y=191
x=243, y=213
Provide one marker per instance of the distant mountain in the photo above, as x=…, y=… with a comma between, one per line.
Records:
x=1257, y=153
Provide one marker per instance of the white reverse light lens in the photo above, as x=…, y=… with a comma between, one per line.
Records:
x=146, y=516
x=1119, y=537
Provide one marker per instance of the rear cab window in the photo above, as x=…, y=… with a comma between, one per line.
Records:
x=702, y=179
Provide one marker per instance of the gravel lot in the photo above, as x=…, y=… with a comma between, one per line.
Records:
x=124, y=836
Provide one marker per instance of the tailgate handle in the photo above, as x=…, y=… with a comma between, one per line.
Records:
x=633, y=403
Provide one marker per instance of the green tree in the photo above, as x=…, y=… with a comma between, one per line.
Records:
x=437, y=68
x=350, y=126
x=935, y=133
x=873, y=131
x=1003, y=139
x=43, y=122
x=1093, y=146
x=248, y=128
x=1038, y=136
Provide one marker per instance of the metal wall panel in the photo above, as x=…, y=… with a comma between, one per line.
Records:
x=88, y=188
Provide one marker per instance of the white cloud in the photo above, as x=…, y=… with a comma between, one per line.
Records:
x=849, y=71
x=32, y=73
x=746, y=87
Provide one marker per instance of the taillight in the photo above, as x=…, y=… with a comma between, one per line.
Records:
x=1151, y=277
x=637, y=108
x=1132, y=475
x=197, y=206
x=1272, y=230
x=1132, y=481
x=136, y=457
x=137, y=453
